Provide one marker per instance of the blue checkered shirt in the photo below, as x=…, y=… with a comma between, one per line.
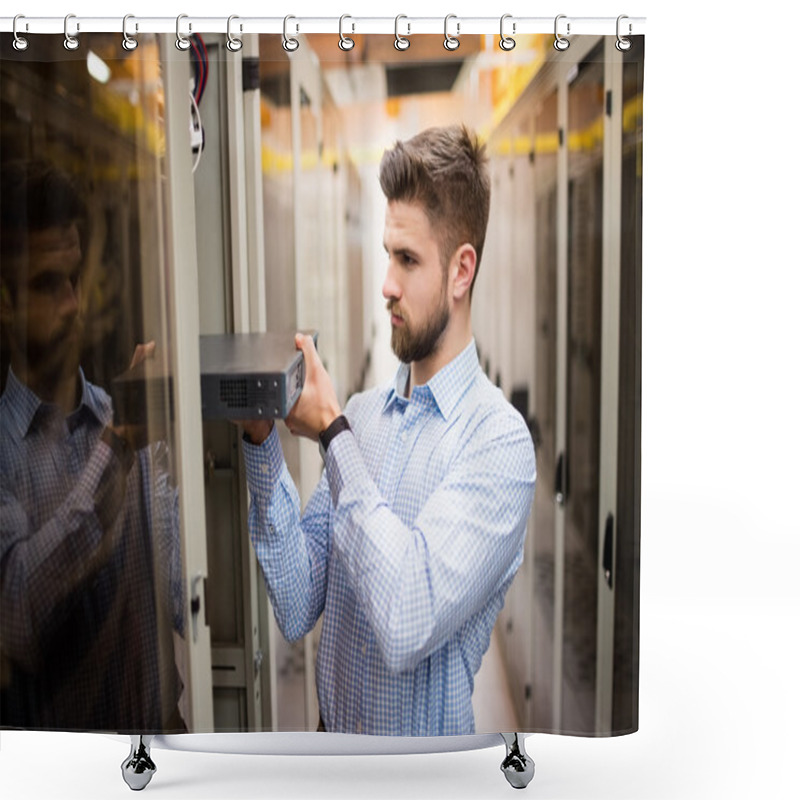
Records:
x=408, y=544
x=90, y=571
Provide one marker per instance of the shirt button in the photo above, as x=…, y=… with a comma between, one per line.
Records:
x=364, y=650
x=271, y=528
x=264, y=469
x=358, y=727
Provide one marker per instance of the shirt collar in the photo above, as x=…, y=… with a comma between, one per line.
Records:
x=446, y=387
x=23, y=405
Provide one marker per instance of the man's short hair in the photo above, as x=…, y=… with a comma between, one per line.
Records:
x=446, y=170
x=36, y=196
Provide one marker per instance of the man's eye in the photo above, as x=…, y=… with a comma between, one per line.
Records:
x=52, y=283
x=47, y=284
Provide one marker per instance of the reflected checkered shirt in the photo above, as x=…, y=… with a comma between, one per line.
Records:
x=408, y=544
x=77, y=587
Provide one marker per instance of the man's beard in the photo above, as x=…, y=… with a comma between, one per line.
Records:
x=409, y=345
x=60, y=357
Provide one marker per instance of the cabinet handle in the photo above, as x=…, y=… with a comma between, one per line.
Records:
x=561, y=480
x=608, y=552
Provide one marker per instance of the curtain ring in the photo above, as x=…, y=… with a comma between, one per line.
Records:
x=290, y=44
x=400, y=42
x=622, y=44
x=345, y=42
x=181, y=42
x=451, y=42
x=506, y=42
x=233, y=44
x=561, y=43
x=20, y=42
x=128, y=42
x=70, y=42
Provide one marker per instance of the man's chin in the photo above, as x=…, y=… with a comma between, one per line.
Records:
x=399, y=350
x=61, y=361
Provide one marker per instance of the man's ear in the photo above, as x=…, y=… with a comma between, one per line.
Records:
x=462, y=270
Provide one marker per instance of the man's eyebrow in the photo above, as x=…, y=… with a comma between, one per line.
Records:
x=405, y=250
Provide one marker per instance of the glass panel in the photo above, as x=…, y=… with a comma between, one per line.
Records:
x=544, y=410
x=90, y=561
x=584, y=242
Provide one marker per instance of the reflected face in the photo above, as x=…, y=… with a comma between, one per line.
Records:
x=45, y=303
x=415, y=287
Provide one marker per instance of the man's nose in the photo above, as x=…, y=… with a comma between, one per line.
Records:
x=69, y=298
x=391, y=288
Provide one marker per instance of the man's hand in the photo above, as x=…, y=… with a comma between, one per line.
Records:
x=138, y=436
x=317, y=406
x=257, y=430
x=142, y=352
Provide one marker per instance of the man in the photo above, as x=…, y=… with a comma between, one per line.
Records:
x=85, y=511
x=416, y=528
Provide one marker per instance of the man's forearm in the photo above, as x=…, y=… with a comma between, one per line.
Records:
x=292, y=551
x=43, y=568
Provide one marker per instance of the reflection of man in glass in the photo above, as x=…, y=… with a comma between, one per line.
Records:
x=79, y=503
x=416, y=528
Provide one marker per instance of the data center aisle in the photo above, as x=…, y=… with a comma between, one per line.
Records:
x=491, y=698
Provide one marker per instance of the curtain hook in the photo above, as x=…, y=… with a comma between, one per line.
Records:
x=20, y=42
x=233, y=44
x=181, y=42
x=290, y=44
x=561, y=43
x=451, y=42
x=70, y=42
x=400, y=42
x=506, y=42
x=345, y=42
x=623, y=44
x=128, y=42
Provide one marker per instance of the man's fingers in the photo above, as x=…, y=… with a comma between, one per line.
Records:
x=142, y=352
x=305, y=343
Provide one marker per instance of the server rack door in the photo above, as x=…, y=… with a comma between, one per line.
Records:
x=184, y=312
x=546, y=147
x=609, y=390
x=230, y=262
x=584, y=138
x=625, y=714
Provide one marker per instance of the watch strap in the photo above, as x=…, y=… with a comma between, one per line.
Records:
x=332, y=431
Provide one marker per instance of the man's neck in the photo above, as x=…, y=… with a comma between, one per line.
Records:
x=452, y=344
x=60, y=390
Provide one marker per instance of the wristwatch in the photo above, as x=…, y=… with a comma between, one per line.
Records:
x=331, y=432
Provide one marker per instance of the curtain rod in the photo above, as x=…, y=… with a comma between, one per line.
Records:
x=452, y=25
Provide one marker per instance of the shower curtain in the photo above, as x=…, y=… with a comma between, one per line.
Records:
x=161, y=187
